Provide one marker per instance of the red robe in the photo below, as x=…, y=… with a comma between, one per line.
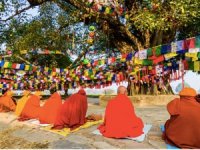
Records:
x=183, y=127
x=6, y=103
x=49, y=111
x=31, y=109
x=120, y=119
x=72, y=113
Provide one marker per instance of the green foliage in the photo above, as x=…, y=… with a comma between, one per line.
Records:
x=190, y=30
x=63, y=25
x=52, y=29
x=165, y=15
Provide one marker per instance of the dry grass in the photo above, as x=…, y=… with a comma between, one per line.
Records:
x=7, y=141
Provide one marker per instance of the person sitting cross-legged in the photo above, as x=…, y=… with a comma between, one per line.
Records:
x=120, y=119
x=182, y=129
x=72, y=114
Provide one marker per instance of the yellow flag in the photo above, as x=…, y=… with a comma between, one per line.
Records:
x=27, y=67
x=197, y=66
x=23, y=51
x=190, y=54
x=138, y=61
x=46, y=68
x=6, y=64
x=170, y=55
x=194, y=58
x=58, y=52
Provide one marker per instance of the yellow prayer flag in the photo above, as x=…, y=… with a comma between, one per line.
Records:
x=138, y=61
x=190, y=54
x=58, y=52
x=53, y=73
x=197, y=66
x=170, y=55
x=46, y=68
x=23, y=51
x=6, y=64
x=27, y=67
x=102, y=61
x=150, y=67
x=77, y=78
x=194, y=58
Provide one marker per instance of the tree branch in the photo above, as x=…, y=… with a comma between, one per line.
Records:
x=17, y=13
x=79, y=57
x=147, y=38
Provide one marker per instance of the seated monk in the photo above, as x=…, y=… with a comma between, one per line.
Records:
x=32, y=108
x=182, y=129
x=72, y=113
x=120, y=119
x=6, y=102
x=49, y=111
x=21, y=103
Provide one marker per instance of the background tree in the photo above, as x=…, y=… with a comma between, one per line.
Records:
x=127, y=24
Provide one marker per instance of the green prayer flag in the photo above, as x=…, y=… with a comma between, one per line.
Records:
x=158, y=50
x=9, y=65
x=149, y=52
x=197, y=42
x=30, y=68
x=191, y=65
x=147, y=62
x=198, y=55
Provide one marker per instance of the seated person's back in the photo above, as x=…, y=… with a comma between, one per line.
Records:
x=31, y=110
x=120, y=119
x=48, y=112
x=182, y=129
x=6, y=102
x=72, y=113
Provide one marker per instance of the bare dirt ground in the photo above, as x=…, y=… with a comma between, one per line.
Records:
x=18, y=135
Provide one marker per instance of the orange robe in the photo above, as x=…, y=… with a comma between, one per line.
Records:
x=72, y=113
x=49, y=111
x=6, y=103
x=31, y=109
x=183, y=127
x=120, y=119
x=20, y=104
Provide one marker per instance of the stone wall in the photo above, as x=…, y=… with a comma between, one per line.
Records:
x=142, y=100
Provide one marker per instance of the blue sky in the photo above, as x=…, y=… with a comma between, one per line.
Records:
x=33, y=11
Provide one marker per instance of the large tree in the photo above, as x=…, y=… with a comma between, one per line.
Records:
x=142, y=24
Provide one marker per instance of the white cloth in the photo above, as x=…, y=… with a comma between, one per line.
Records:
x=173, y=47
x=143, y=54
x=36, y=122
x=140, y=138
x=194, y=50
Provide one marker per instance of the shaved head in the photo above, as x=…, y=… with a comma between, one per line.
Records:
x=122, y=90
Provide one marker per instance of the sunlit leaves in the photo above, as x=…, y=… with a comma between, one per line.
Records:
x=165, y=15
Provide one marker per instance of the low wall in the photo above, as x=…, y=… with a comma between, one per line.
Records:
x=142, y=100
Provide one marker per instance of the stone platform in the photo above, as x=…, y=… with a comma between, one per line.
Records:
x=142, y=100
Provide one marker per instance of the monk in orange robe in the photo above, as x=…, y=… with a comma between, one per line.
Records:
x=6, y=102
x=183, y=127
x=120, y=119
x=72, y=113
x=22, y=102
x=32, y=108
x=50, y=109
